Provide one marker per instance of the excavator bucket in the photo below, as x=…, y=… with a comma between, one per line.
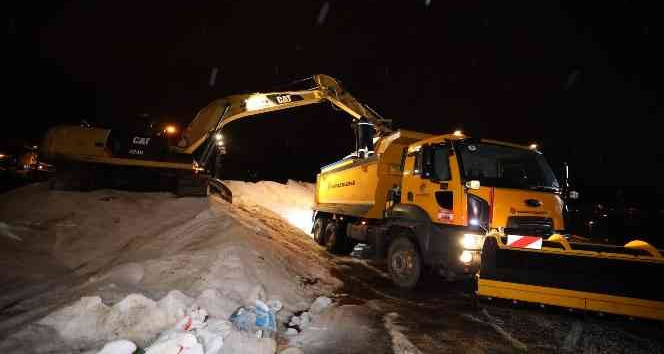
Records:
x=593, y=277
x=217, y=186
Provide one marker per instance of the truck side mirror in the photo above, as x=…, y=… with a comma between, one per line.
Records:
x=473, y=184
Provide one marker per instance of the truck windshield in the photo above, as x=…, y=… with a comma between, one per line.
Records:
x=504, y=166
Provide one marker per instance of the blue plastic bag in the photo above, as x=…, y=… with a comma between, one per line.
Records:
x=259, y=319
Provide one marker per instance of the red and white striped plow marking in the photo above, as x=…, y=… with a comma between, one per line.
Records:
x=532, y=242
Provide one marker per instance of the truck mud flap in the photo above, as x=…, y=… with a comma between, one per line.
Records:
x=600, y=278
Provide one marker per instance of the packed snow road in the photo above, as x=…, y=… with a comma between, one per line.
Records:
x=81, y=269
x=442, y=317
x=445, y=317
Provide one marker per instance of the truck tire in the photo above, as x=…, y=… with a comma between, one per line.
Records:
x=319, y=230
x=336, y=240
x=404, y=262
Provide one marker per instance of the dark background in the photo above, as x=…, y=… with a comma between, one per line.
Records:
x=582, y=80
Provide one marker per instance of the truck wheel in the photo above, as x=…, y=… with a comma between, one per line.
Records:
x=319, y=230
x=404, y=263
x=336, y=241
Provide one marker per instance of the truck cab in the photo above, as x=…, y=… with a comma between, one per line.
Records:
x=470, y=187
x=440, y=196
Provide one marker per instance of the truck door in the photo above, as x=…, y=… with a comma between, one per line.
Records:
x=431, y=182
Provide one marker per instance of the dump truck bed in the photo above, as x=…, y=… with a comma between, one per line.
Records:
x=359, y=186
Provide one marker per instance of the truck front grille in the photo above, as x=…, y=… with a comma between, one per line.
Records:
x=529, y=225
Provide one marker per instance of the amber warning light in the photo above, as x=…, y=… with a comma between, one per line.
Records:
x=170, y=129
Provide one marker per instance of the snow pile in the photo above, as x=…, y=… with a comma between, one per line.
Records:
x=118, y=347
x=153, y=325
x=293, y=201
x=109, y=265
x=302, y=322
x=173, y=321
x=89, y=321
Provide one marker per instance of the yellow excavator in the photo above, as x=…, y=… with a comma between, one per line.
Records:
x=87, y=156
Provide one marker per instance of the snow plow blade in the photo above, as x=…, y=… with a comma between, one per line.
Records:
x=593, y=277
x=218, y=187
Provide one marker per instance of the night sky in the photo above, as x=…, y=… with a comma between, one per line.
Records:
x=581, y=81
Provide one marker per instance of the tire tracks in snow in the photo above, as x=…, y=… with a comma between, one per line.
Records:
x=400, y=343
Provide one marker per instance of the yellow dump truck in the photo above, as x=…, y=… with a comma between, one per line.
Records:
x=423, y=200
x=483, y=208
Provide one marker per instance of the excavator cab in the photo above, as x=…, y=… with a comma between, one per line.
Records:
x=365, y=135
x=143, y=138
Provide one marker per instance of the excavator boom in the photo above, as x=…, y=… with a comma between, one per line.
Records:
x=212, y=118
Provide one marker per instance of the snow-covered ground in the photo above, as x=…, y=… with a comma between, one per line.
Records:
x=80, y=269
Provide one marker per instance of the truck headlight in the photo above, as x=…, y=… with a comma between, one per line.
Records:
x=466, y=257
x=472, y=241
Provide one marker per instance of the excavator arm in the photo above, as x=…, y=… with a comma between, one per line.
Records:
x=211, y=119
